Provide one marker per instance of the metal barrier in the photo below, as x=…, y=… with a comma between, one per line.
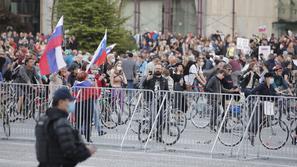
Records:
x=271, y=128
x=116, y=112
x=162, y=120
x=22, y=105
x=203, y=122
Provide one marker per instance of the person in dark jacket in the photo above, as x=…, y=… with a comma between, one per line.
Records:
x=264, y=89
x=73, y=69
x=250, y=79
x=214, y=86
x=57, y=143
x=156, y=82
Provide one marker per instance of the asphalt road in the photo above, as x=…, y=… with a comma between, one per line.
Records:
x=22, y=153
x=192, y=149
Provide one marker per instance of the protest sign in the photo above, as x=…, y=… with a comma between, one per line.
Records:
x=243, y=44
x=265, y=50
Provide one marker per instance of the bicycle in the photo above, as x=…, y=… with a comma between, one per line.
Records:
x=34, y=104
x=270, y=126
x=199, y=110
x=170, y=131
x=233, y=127
x=114, y=111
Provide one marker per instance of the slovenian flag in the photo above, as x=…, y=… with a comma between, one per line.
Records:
x=100, y=54
x=109, y=48
x=52, y=59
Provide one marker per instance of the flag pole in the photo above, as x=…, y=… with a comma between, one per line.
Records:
x=87, y=69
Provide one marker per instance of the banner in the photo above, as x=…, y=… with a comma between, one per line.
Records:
x=265, y=50
x=243, y=44
x=262, y=29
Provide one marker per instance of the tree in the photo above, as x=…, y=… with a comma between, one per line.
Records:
x=88, y=19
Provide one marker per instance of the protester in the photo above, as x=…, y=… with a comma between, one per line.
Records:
x=211, y=64
x=84, y=106
x=57, y=143
x=264, y=89
x=130, y=70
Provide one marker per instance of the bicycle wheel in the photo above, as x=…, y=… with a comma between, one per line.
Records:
x=274, y=135
x=200, y=117
x=139, y=115
x=6, y=124
x=144, y=130
x=180, y=119
x=170, y=134
x=109, y=117
x=232, y=132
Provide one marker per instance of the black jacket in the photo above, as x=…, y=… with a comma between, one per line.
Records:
x=150, y=84
x=246, y=77
x=57, y=143
x=214, y=85
x=264, y=90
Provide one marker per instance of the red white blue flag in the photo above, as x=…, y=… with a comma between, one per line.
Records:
x=100, y=54
x=52, y=59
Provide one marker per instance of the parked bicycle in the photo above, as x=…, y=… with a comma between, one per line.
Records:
x=169, y=128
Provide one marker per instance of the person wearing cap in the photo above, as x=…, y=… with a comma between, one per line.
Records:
x=57, y=143
x=264, y=89
x=280, y=84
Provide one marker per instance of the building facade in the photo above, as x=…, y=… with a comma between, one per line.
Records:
x=243, y=17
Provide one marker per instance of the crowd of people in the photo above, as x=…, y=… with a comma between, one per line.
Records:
x=163, y=62
x=188, y=62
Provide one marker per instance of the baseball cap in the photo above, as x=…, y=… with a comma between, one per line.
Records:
x=62, y=94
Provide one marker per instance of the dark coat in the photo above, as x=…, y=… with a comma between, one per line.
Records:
x=57, y=143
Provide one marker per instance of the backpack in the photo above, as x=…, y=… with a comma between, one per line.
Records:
x=188, y=66
x=43, y=137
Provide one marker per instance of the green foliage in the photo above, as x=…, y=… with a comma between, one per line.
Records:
x=88, y=19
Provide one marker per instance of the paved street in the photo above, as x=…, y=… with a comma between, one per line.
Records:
x=15, y=153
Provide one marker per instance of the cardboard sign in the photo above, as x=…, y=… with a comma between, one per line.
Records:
x=243, y=44
x=265, y=50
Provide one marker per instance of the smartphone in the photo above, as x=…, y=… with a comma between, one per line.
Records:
x=150, y=73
